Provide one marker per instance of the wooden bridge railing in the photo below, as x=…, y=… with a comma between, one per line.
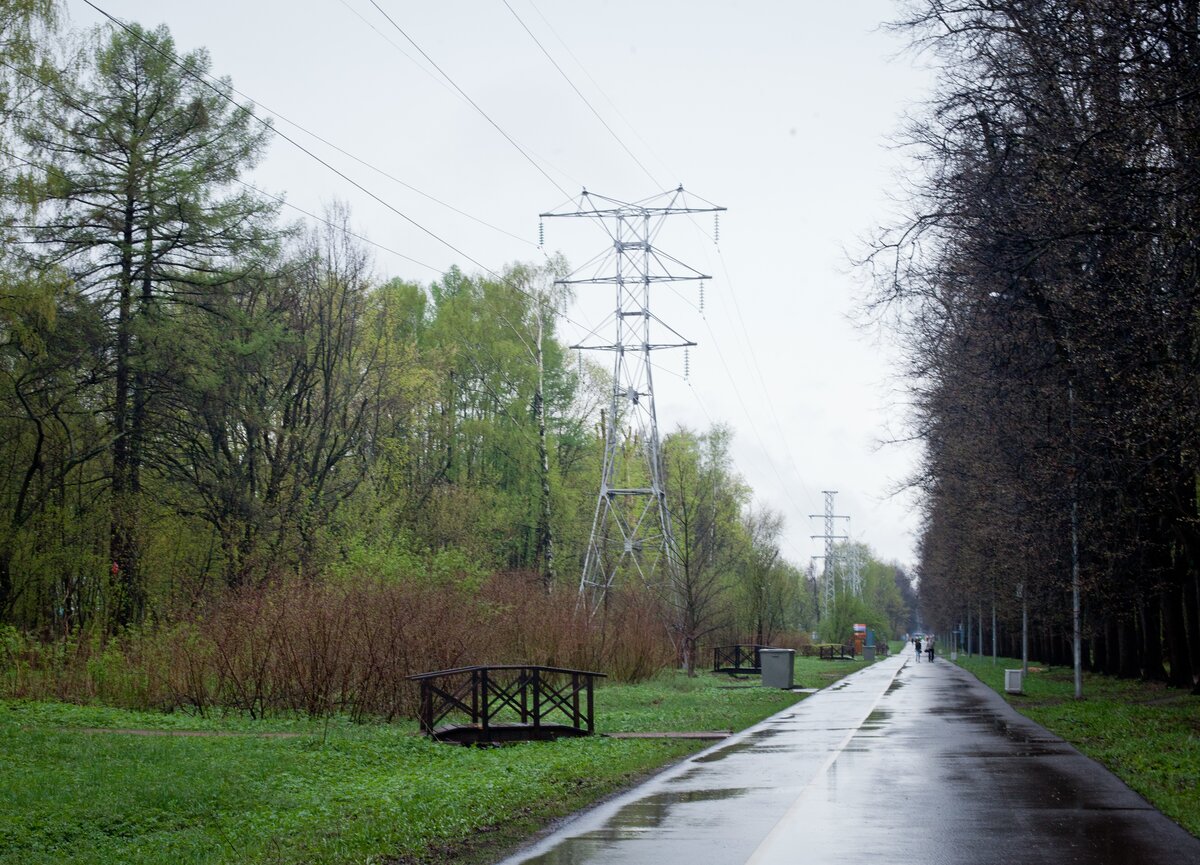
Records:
x=835, y=652
x=737, y=659
x=506, y=702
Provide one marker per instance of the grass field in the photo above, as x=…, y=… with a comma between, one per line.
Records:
x=1145, y=733
x=291, y=790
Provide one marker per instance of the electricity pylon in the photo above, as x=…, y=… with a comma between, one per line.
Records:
x=631, y=529
x=829, y=580
x=855, y=566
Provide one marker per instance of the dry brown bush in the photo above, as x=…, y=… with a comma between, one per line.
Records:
x=323, y=647
x=626, y=639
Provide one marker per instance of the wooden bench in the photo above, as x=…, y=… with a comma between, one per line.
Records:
x=506, y=703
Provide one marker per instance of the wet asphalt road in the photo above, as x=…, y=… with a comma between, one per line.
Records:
x=900, y=763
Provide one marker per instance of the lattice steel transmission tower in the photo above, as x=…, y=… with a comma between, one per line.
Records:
x=854, y=566
x=631, y=529
x=829, y=578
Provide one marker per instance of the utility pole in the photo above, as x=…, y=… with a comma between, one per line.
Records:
x=828, y=582
x=631, y=528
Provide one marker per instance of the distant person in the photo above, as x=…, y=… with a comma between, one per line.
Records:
x=929, y=650
x=917, y=643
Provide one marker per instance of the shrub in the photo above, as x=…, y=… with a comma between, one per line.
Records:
x=347, y=645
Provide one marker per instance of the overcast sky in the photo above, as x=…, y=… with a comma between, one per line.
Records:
x=779, y=110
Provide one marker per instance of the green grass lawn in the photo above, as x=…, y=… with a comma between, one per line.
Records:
x=1145, y=733
x=336, y=792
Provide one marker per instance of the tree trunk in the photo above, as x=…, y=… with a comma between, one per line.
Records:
x=1191, y=607
x=1152, y=660
x=1099, y=648
x=544, y=551
x=128, y=598
x=1175, y=635
x=1128, y=662
x=6, y=586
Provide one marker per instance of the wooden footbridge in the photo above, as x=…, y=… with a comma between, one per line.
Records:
x=506, y=703
x=739, y=660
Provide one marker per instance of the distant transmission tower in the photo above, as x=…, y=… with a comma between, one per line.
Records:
x=829, y=579
x=855, y=566
x=631, y=529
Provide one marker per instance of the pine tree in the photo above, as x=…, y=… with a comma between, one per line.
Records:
x=136, y=159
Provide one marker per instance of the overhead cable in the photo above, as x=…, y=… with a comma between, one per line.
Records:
x=579, y=93
x=473, y=103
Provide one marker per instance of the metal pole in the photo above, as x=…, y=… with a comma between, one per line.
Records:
x=981, y=631
x=1076, y=625
x=1024, y=632
x=993, y=631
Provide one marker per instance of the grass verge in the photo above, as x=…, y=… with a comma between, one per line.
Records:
x=335, y=793
x=1144, y=732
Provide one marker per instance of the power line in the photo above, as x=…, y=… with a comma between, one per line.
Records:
x=360, y=160
x=737, y=307
x=341, y=228
x=631, y=526
x=579, y=93
x=746, y=347
x=759, y=373
x=442, y=82
x=224, y=95
x=49, y=169
x=202, y=79
x=753, y=426
x=712, y=423
x=473, y=103
x=416, y=224
x=395, y=45
x=473, y=347
x=613, y=105
x=601, y=259
x=188, y=70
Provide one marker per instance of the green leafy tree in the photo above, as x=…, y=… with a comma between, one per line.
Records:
x=761, y=579
x=133, y=197
x=271, y=426
x=704, y=497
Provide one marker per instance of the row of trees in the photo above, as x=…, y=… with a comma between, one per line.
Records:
x=1047, y=287
x=196, y=398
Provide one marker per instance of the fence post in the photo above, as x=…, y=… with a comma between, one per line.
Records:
x=426, y=707
x=483, y=694
x=575, y=700
x=537, y=698
x=590, y=705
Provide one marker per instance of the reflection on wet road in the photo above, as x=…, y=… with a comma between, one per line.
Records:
x=899, y=763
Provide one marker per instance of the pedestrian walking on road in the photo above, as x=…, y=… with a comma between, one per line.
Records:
x=917, y=643
x=929, y=651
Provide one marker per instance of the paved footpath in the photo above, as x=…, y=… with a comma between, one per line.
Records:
x=902, y=762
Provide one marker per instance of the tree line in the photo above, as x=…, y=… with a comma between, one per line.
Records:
x=1046, y=285
x=198, y=398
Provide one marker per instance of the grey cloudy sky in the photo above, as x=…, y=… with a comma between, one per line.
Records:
x=780, y=110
